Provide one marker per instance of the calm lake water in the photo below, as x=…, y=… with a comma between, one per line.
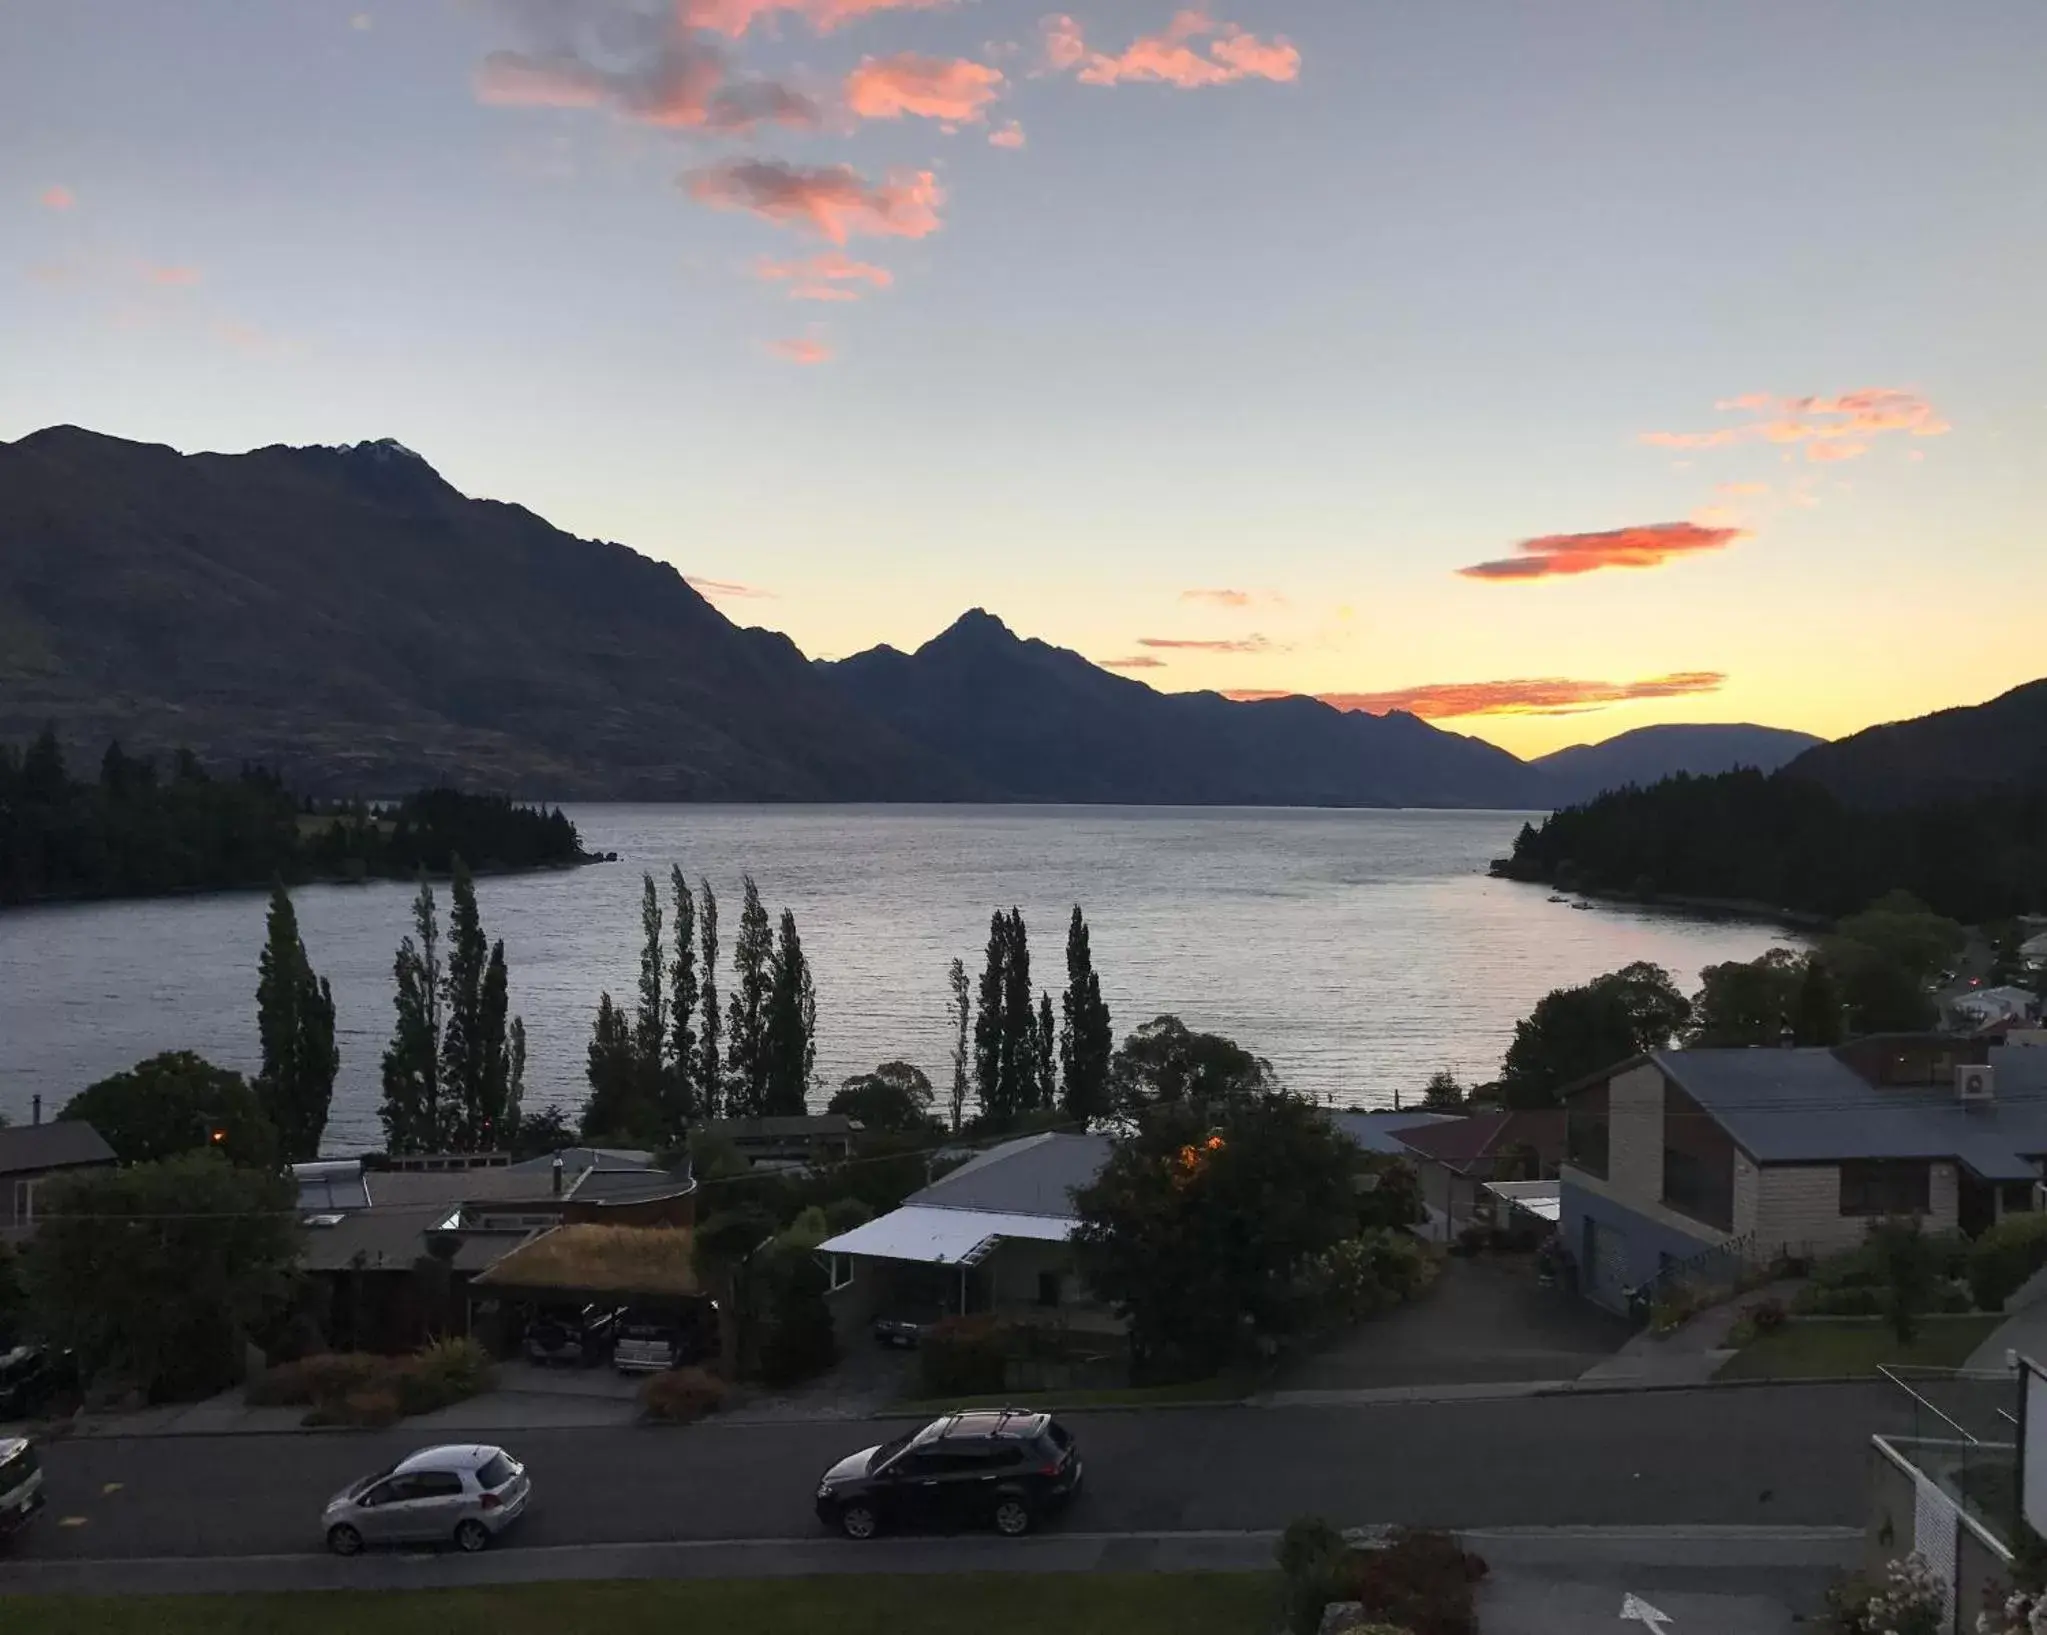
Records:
x=1359, y=951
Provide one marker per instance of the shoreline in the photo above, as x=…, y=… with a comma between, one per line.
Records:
x=1704, y=908
x=179, y=893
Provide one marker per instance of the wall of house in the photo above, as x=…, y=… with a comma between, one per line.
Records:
x=1451, y=1199
x=1634, y=1143
x=1641, y=1237
x=1799, y=1206
x=1014, y=1268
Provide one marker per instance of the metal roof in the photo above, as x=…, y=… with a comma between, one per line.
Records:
x=389, y=1240
x=1374, y=1131
x=941, y=1237
x=1032, y=1175
x=574, y=1160
x=64, y=1144
x=1542, y=1199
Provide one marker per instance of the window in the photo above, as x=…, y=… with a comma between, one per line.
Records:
x=1872, y=1186
x=841, y=1271
x=1585, y=1131
x=1048, y=1288
x=1698, y=1162
x=496, y=1472
x=432, y=1484
x=2016, y=1197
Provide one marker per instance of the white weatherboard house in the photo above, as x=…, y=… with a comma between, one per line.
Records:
x=990, y=1236
x=1684, y=1155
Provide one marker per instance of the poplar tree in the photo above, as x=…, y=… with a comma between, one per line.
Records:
x=988, y=1024
x=959, y=1008
x=746, y=1057
x=710, y=1067
x=465, y=1046
x=790, y=1028
x=681, y=1097
x=1045, y=1043
x=1086, y=1039
x=616, y=1107
x=295, y=1025
x=1006, y=1029
x=411, y=1112
x=650, y=1020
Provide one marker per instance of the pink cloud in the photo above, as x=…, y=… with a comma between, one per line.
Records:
x=1008, y=136
x=1243, y=644
x=806, y=350
x=1226, y=54
x=1545, y=695
x=831, y=275
x=170, y=277
x=1141, y=661
x=1218, y=598
x=833, y=201
x=58, y=198
x=735, y=17
x=1829, y=428
x=1646, y=546
x=724, y=588
x=950, y=88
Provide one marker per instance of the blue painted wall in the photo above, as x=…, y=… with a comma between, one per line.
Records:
x=1642, y=1243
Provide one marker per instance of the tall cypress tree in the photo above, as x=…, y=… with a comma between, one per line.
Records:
x=746, y=1057
x=681, y=1098
x=988, y=1025
x=616, y=1108
x=495, y=1115
x=465, y=1046
x=1086, y=1041
x=791, y=1026
x=1019, y=1022
x=1045, y=1041
x=959, y=1009
x=295, y=1024
x=710, y=1065
x=650, y=1020
x=411, y=1112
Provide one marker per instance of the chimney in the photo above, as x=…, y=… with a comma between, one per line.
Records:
x=35, y=1109
x=557, y=1175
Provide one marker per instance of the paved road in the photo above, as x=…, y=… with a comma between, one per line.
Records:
x=1789, y=1455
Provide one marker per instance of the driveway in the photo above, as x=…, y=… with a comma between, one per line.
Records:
x=1483, y=1323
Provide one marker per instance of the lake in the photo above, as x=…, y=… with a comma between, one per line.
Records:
x=1358, y=951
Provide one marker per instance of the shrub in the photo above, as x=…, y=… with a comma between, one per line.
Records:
x=1857, y=1301
x=452, y=1370
x=843, y=1214
x=682, y=1396
x=2005, y=1256
x=1767, y=1316
x=1418, y=1581
x=1311, y=1555
x=446, y=1371
x=1909, y=1601
x=371, y=1408
x=963, y=1357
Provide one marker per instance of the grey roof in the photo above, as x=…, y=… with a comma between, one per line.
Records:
x=387, y=1239
x=626, y=1186
x=788, y=1127
x=1374, y=1131
x=1808, y=1106
x=492, y=1184
x=577, y=1159
x=28, y=1148
x=1033, y=1175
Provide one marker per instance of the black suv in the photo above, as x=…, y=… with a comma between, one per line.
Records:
x=1003, y=1469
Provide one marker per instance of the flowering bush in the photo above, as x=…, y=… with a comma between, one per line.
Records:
x=1911, y=1600
x=2023, y=1613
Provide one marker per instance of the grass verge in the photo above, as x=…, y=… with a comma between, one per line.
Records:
x=1190, y=1393
x=1818, y=1347
x=939, y=1604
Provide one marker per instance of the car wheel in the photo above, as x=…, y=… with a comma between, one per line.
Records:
x=472, y=1536
x=856, y=1521
x=1012, y=1518
x=344, y=1540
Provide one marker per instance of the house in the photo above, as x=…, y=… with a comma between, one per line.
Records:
x=1983, y=1007
x=989, y=1236
x=1686, y=1155
x=1377, y=1130
x=31, y=1154
x=790, y=1141
x=1457, y=1158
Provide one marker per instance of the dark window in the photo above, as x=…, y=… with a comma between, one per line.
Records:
x=1698, y=1162
x=1872, y=1186
x=431, y=1484
x=2017, y=1197
x=386, y=1492
x=496, y=1473
x=1048, y=1288
x=1585, y=1131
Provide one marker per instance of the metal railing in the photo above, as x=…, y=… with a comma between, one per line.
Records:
x=1964, y=1439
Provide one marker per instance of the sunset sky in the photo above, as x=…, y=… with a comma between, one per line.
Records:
x=1549, y=366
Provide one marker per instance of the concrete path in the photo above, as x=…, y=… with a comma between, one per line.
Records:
x=2024, y=1331
x=1692, y=1354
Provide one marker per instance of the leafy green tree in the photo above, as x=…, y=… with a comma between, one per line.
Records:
x=710, y=1065
x=295, y=1025
x=1086, y=1038
x=1904, y=932
x=1910, y=1265
x=1880, y=995
x=1747, y=1002
x=176, y=1103
x=1165, y=1063
x=746, y=1015
x=681, y=1105
x=412, y=1113
x=1045, y=1050
x=1443, y=1094
x=1201, y=1223
x=1574, y=1032
x=894, y=1097
x=618, y=1108
x=959, y=1010
x=547, y=1131
x=1816, y=1010
x=152, y=1272
x=789, y=1029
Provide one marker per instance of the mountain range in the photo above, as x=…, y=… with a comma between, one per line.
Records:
x=349, y=617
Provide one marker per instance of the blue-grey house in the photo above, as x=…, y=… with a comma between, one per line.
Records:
x=1754, y=1152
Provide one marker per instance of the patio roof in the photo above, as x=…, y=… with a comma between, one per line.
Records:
x=621, y=1260
x=1543, y=1199
x=941, y=1237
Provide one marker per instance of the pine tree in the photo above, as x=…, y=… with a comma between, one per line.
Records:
x=988, y=1025
x=959, y=1009
x=1086, y=1038
x=411, y=1112
x=1045, y=1041
x=295, y=1024
x=680, y=1101
x=464, y=1042
x=650, y=1020
x=710, y=1066
x=746, y=1057
x=790, y=1041
x=615, y=1108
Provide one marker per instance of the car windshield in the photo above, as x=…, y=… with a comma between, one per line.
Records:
x=496, y=1472
x=888, y=1450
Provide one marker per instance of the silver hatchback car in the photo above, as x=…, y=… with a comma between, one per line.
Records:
x=464, y=1494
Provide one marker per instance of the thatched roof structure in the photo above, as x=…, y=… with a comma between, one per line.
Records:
x=589, y=1259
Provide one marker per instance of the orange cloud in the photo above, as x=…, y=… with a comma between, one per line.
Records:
x=1218, y=598
x=1547, y=695
x=717, y=588
x=951, y=88
x=829, y=276
x=1009, y=136
x=802, y=350
x=735, y=17
x=170, y=277
x=58, y=198
x=1830, y=428
x=1242, y=644
x=1142, y=661
x=833, y=201
x=1171, y=58
x=1649, y=546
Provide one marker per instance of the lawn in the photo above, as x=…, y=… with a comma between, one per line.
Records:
x=1817, y=1347
x=1187, y=1394
x=936, y=1604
